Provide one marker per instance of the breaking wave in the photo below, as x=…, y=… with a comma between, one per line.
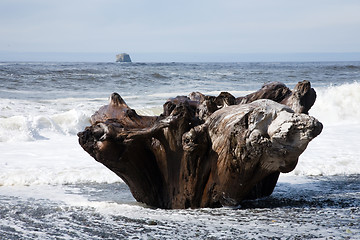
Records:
x=337, y=104
x=30, y=128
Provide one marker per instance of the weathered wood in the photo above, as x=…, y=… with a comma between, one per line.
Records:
x=204, y=151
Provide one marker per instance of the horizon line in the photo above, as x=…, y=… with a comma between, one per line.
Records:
x=15, y=56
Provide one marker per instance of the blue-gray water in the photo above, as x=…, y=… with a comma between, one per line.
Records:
x=51, y=189
x=54, y=80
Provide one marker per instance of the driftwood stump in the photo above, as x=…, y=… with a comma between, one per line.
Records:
x=204, y=151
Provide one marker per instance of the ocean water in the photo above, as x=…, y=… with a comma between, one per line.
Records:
x=50, y=188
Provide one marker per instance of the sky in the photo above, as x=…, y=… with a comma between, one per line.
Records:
x=163, y=27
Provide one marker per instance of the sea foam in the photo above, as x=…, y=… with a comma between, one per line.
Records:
x=37, y=127
x=58, y=160
x=336, y=104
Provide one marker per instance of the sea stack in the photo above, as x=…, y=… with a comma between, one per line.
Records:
x=123, y=57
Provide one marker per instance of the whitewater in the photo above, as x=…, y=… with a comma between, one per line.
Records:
x=50, y=188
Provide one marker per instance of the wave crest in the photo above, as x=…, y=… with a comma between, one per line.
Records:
x=337, y=104
x=21, y=128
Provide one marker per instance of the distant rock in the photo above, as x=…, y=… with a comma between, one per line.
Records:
x=123, y=57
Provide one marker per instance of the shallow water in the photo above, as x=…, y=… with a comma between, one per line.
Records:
x=304, y=208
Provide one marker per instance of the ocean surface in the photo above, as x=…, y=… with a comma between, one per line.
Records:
x=50, y=188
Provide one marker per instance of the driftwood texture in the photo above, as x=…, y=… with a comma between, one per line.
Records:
x=205, y=151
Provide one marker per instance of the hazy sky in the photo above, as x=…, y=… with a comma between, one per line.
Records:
x=196, y=26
